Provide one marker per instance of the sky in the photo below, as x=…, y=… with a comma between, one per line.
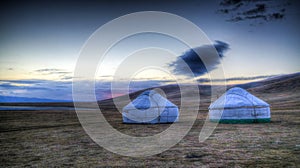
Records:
x=41, y=42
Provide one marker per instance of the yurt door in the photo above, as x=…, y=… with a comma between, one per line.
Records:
x=254, y=114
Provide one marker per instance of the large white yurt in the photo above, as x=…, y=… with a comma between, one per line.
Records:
x=239, y=106
x=150, y=108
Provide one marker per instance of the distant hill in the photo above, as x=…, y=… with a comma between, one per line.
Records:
x=292, y=81
x=284, y=83
x=281, y=83
x=280, y=90
x=8, y=99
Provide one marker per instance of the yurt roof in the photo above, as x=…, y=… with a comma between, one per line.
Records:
x=236, y=98
x=149, y=99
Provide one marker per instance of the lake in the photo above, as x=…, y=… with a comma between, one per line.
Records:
x=36, y=108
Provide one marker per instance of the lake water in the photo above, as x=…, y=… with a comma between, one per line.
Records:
x=35, y=108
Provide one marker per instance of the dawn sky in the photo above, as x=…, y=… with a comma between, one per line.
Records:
x=41, y=41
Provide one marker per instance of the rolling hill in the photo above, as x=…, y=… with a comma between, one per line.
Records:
x=279, y=91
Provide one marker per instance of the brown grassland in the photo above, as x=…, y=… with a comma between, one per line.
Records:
x=55, y=138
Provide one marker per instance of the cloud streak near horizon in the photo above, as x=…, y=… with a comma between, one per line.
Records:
x=205, y=80
x=58, y=73
x=62, y=90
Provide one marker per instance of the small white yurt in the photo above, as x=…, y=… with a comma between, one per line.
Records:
x=239, y=106
x=150, y=108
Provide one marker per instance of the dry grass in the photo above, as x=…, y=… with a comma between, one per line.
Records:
x=56, y=139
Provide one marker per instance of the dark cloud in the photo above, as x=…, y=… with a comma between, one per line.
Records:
x=196, y=63
x=230, y=2
x=259, y=8
x=263, y=10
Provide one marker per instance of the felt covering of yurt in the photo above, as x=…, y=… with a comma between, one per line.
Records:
x=150, y=108
x=239, y=106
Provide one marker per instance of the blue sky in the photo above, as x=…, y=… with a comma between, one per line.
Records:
x=41, y=41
